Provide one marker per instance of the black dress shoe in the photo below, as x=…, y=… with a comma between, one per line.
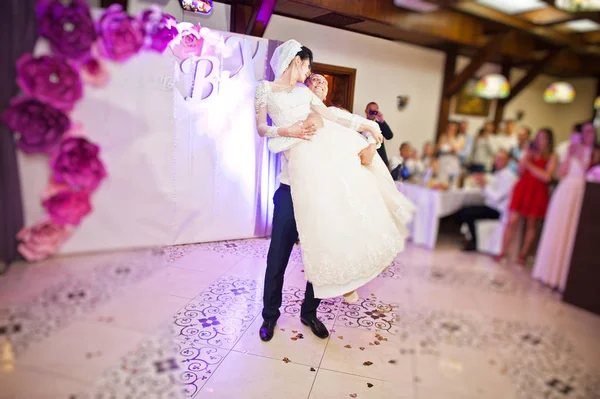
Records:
x=267, y=330
x=316, y=327
x=469, y=247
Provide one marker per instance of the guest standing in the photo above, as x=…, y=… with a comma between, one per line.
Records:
x=531, y=194
x=449, y=145
x=505, y=139
x=553, y=258
x=465, y=153
x=483, y=152
x=374, y=114
x=523, y=137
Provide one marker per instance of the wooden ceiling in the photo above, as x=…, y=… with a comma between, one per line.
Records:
x=526, y=39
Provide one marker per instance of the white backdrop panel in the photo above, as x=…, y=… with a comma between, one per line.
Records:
x=181, y=168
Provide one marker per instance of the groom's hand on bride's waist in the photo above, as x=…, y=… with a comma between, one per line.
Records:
x=299, y=130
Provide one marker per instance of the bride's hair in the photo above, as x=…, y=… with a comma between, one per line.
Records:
x=306, y=54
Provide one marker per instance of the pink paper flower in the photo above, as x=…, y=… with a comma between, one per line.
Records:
x=76, y=163
x=94, y=72
x=189, y=42
x=49, y=79
x=42, y=239
x=120, y=36
x=68, y=207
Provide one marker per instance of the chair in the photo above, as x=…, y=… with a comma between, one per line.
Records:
x=490, y=234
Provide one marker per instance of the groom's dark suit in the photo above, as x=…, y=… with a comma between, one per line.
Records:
x=283, y=238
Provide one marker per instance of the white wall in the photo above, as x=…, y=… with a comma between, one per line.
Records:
x=385, y=70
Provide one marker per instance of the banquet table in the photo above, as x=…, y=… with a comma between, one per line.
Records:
x=431, y=206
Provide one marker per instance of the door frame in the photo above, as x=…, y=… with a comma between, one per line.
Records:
x=337, y=71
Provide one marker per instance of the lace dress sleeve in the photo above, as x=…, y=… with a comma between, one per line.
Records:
x=277, y=143
x=356, y=122
x=260, y=104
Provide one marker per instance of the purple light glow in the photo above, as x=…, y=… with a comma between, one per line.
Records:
x=265, y=11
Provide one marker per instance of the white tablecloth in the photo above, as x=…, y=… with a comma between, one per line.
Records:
x=433, y=205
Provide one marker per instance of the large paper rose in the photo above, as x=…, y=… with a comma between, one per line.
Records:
x=76, y=163
x=159, y=28
x=42, y=239
x=189, y=42
x=38, y=127
x=68, y=207
x=69, y=27
x=119, y=36
x=49, y=79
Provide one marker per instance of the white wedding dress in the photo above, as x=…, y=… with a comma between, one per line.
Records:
x=351, y=219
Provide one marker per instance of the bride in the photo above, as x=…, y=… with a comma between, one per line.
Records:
x=350, y=218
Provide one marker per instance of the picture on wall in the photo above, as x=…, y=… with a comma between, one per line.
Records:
x=468, y=103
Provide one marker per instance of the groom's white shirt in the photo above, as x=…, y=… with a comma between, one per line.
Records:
x=282, y=144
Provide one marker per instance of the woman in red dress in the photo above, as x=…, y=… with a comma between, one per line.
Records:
x=531, y=194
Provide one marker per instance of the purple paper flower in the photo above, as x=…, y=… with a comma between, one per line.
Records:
x=119, y=36
x=39, y=127
x=68, y=207
x=76, y=164
x=49, y=79
x=68, y=27
x=160, y=28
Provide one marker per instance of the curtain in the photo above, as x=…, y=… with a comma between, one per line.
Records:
x=269, y=165
x=17, y=36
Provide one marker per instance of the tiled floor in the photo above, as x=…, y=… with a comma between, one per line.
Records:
x=182, y=322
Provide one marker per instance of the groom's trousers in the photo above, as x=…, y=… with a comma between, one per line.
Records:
x=283, y=237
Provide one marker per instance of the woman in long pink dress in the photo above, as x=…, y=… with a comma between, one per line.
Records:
x=554, y=253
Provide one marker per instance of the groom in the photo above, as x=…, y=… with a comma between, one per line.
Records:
x=283, y=237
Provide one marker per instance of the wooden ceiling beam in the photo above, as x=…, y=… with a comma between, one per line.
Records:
x=456, y=23
x=449, y=70
x=443, y=24
x=546, y=33
x=591, y=37
x=485, y=54
x=532, y=73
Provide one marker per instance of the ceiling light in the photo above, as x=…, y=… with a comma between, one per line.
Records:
x=559, y=93
x=578, y=5
x=514, y=6
x=493, y=86
x=583, y=25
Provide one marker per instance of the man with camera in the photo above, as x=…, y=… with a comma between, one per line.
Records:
x=375, y=115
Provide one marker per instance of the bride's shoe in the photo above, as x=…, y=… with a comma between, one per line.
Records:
x=351, y=297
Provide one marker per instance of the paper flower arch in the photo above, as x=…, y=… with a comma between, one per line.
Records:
x=51, y=85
